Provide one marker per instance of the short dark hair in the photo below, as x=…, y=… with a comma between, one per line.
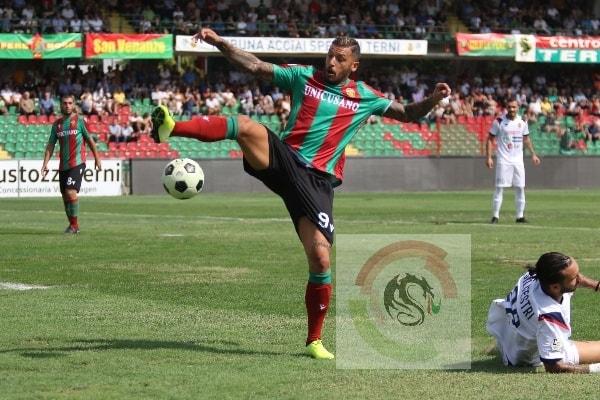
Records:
x=346, y=41
x=548, y=268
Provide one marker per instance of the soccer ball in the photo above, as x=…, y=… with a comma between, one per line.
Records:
x=183, y=178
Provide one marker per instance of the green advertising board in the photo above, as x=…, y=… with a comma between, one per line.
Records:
x=36, y=47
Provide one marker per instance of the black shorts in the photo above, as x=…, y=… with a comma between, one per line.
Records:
x=305, y=191
x=71, y=178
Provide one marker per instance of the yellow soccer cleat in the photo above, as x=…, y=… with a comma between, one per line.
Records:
x=316, y=350
x=162, y=124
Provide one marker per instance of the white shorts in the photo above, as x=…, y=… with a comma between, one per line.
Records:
x=571, y=353
x=508, y=175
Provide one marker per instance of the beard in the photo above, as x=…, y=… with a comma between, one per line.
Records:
x=568, y=289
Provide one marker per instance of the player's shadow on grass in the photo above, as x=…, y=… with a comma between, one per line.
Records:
x=475, y=221
x=137, y=344
x=494, y=366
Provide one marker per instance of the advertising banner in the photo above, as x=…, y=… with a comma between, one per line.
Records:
x=22, y=178
x=485, y=45
x=558, y=49
x=118, y=45
x=304, y=47
x=22, y=46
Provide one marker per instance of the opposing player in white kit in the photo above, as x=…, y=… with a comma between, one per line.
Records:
x=509, y=133
x=532, y=325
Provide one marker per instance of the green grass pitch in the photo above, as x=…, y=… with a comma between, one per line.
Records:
x=159, y=298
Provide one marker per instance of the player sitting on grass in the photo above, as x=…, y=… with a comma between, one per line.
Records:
x=306, y=161
x=533, y=324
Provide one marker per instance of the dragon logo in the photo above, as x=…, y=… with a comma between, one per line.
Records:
x=404, y=305
x=525, y=46
x=391, y=313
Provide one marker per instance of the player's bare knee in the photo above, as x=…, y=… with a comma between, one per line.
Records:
x=70, y=195
x=246, y=128
x=319, y=256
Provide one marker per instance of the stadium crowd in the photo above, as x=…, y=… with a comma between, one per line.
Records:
x=52, y=16
x=373, y=19
x=290, y=18
x=190, y=92
x=563, y=17
x=300, y=18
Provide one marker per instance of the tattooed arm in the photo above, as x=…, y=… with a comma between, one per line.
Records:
x=415, y=111
x=243, y=60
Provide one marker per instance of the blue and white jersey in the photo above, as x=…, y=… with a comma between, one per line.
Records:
x=509, y=135
x=531, y=327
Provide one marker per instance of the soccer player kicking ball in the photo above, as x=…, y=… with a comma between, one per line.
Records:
x=72, y=135
x=509, y=133
x=532, y=325
x=306, y=161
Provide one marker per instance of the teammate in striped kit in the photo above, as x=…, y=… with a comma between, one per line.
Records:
x=71, y=134
x=532, y=326
x=306, y=162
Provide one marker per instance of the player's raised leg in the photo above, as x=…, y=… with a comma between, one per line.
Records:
x=318, y=289
x=250, y=135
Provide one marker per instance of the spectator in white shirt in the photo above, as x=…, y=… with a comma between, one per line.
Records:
x=75, y=25
x=68, y=13
x=96, y=23
x=58, y=24
x=114, y=131
x=126, y=131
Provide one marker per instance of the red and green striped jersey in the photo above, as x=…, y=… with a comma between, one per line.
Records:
x=70, y=133
x=324, y=117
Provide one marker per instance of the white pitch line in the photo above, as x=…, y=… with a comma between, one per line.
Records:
x=514, y=226
x=20, y=286
x=338, y=220
x=178, y=216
